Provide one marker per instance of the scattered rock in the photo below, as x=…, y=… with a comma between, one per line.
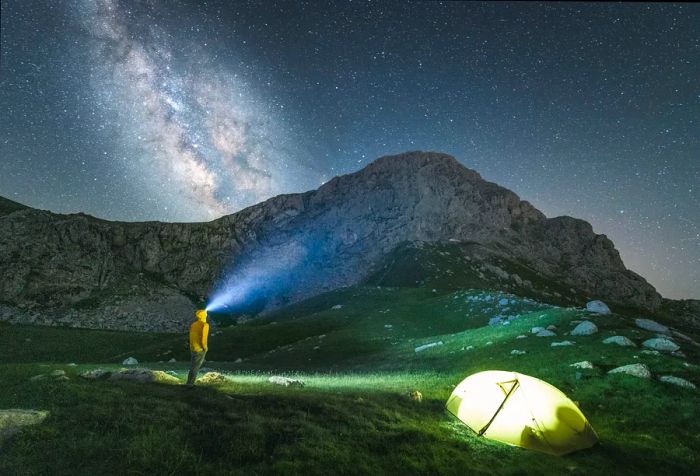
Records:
x=13, y=420
x=653, y=326
x=545, y=333
x=130, y=361
x=619, y=340
x=421, y=348
x=415, y=395
x=599, y=307
x=494, y=321
x=662, y=344
x=564, y=343
x=95, y=374
x=138, y=375
x=681, y=382
x=212, y=378
x=521, y=336
x=584, y=329
x=584, y=364
x=636, y=370
x=517, y=352
x=285, y=381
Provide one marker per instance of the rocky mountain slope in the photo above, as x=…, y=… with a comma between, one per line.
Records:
x=83, y=271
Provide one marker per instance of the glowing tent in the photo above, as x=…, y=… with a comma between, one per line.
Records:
x=520, y=410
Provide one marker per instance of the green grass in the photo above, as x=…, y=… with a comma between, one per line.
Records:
x=353, y=415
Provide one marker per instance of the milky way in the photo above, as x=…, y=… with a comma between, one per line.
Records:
x=187, y=110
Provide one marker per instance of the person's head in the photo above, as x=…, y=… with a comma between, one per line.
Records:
x=201, y=314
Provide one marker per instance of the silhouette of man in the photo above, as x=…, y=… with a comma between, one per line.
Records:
x=199, y=332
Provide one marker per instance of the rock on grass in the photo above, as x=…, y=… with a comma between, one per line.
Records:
x=212, y=378
x=681, y=382
x=586, y=328
x=662, y=344
x=653, y=326
x=14, y=419
x=619, y=340
x=635, y=370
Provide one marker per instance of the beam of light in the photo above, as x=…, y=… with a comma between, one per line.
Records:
x=264, y=274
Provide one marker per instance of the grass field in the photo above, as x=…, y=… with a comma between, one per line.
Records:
x=353, y=416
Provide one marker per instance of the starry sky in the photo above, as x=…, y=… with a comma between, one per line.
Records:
x=188, y=110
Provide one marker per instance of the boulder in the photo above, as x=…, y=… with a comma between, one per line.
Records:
x=564, y=343
x=619, y=340
x=285, y=381
x=95, y=374
x=599, y=307
x=635, y=370
x=13, y=420
x=653, y=326
x=584, y=329
x=130, y=361
x=662, y=344
x=212, y=378
x=681, y=382
x=584, y=364
x=545, y=333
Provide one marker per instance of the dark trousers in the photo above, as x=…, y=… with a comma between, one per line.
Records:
x=196, y=363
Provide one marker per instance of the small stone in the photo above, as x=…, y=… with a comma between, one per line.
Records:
x=172, y=360
x=564, y=343
x=521, y=336
x=599, y=307
x=619, y=340
x=681, y=382
x=651, y=352
x=238, y=361
x=285, y=381
x=584, y=364
x=95, y=374
x=545, y=333
x=415, y=395
x=130, y=361
x=337, y=306
x=660, y=343
x=212, y=378
x=552, y=327
x=489, y=343
x=58, y=373
x=62, y=378
x=635, y=370
x=72, y=364
x=653, y=326
x=584, y=329
x=494, y=321
x=469, y=347
x=517, y=352
x=678, y=353
x=37, y=378
x=535, y=330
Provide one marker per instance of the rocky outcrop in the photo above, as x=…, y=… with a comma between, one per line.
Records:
x=86, y=270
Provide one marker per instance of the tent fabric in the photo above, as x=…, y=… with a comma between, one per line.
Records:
x=521, y=410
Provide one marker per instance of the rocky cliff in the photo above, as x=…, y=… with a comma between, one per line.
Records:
x=83, y=271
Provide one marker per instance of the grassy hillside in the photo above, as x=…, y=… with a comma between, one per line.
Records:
x=8, y=206
x=353, y=416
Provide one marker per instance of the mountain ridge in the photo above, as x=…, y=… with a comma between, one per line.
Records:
x=307, y=243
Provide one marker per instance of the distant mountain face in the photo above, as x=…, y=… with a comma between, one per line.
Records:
x=79, y=270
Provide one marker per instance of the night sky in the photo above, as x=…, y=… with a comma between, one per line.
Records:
x=184, y=111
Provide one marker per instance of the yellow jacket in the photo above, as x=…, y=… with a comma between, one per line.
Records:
x=199, y=332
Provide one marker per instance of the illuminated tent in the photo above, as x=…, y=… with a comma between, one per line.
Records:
x=520, y=410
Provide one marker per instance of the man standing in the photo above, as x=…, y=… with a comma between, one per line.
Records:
x=199, y=332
